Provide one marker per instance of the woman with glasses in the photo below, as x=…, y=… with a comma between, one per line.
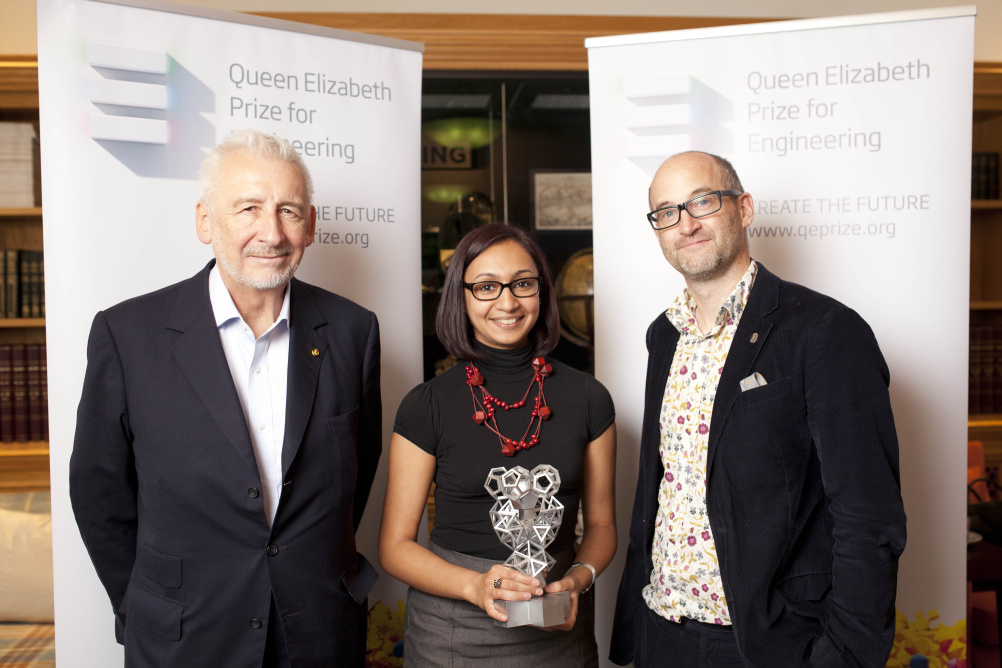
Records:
x=503, y=405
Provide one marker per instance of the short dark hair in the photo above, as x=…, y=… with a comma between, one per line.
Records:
x=452, y=323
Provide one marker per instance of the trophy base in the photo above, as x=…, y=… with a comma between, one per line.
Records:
x=545, y=610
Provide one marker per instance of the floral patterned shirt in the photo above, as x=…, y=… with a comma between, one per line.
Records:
x=686, y=581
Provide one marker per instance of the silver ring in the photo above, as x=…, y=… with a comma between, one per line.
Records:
x=497, y=583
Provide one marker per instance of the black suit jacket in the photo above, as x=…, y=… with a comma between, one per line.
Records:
x=803, y=493
x=167, y=495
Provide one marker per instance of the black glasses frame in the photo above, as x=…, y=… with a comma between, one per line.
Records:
x=538, y=279
x=652, y=217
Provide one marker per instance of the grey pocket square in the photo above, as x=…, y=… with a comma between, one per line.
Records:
x=752, y=381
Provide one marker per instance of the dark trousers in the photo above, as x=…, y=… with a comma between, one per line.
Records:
x=276, y=654
x=689, y=644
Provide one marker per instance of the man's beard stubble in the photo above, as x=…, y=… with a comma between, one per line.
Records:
x=726, y=246
x=266, y=282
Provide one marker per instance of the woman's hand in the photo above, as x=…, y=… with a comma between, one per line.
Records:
x=512, y=586
x=574, y=581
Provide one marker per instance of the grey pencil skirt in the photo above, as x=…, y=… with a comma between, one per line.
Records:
x=443, y=632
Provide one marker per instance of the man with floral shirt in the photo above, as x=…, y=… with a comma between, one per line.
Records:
x=768, y=521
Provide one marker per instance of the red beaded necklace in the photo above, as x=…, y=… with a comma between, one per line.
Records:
x=484, y=407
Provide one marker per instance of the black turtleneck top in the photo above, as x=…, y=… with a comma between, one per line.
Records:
x=437, y=416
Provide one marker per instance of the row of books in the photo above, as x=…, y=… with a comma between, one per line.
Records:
x=20, y=181
x=984, y=175
x=985, y=371
x=24, y=393
x=23, y=273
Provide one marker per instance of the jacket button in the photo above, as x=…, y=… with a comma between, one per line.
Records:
x=255, y=623
x=272, y=550
x=253, y=492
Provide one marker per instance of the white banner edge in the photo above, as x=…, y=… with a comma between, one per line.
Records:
x=780, y=26
x=267, y=22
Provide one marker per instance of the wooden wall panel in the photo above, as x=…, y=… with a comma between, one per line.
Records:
x=503, y=41
x=18, y=83
x=24, y=467
x=987, y=87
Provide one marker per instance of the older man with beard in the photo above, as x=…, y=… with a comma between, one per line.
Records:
x=227, y=437
x=768, y=519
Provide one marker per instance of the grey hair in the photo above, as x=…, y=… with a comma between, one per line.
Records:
x=255, y=142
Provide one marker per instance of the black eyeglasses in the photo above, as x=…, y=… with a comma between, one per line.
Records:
x=698, y=207
x=486, y=291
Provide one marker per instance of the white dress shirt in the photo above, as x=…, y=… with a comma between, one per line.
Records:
x=260, y=370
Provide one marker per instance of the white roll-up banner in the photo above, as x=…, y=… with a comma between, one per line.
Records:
x=133, y=93
x=853, y=134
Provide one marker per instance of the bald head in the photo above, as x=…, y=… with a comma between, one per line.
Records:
x=725, y=176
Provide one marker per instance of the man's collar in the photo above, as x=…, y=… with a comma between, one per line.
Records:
x=223, y=307
x=682, y=312
x=734, y=305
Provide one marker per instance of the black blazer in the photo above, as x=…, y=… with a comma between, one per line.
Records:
x=803, y=493
x=166, y=490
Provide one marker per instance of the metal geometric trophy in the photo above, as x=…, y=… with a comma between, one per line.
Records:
x=526, y=517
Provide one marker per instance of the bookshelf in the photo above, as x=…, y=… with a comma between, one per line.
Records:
x=22, y=212
x=21, y=228
x=986, y=246
x=21, y=323
x=24, y=466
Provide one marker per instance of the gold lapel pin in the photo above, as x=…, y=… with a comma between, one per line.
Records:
x=754, y=337
x=316, y=353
